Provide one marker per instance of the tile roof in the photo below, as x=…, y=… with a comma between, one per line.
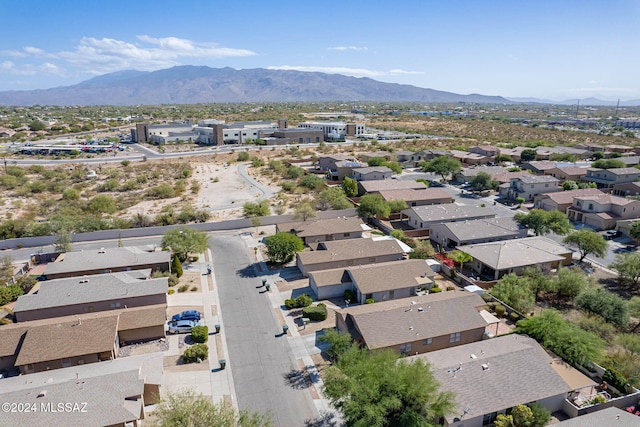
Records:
x=10, y=338
x=517, y=252
x=566, y=197
x=606, y=199
x=142, y=317
x=541, y=164
x=338, y=250
x=618, y=171
x=105, y=259
x=321, y=227
x=372, y=169
x=82, y=290
x=330, y=277
x=391, y=275
x=390, y=184
x=449, y=212
x=537, y=179
x=411, y=195
x=570, y=170
x=603, y=418
x=483, y=228
x=399, y=321
x=469, y=172
x=519, y=371
x=68, y=338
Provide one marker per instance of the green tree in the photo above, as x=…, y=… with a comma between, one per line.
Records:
x=597, y=155
x=339, y=342
x=350, y=186
x=539, y=281
x=243, y=156
x=282, y=247
x=460, y=258
x=635, y=231
x=376, y=389
x=606, y=304
x=304, y=211
x=373, y=205
x=63, y=241
x=608, y=164
x=185, y=240
x=587, y=242
x=515, y=291
x=396, y=206
x=36, y=125
x=313, y=182
x=376, y=161
x=333, y=198
x=628, y=267
x=102, y=203
x=528, y=155
x=482, y=181
x=261, y=208
x=570, y=283
x=570, y=185
x=176, y=267
x=503, y=158
x=544, y=222
x=444, y=166
x=188, y=409
x=6, y=269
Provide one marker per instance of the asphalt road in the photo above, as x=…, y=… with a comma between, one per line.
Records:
x=259, y=357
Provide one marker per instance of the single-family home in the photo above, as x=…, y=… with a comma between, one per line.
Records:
x=86, y=294
x=417, y=324
x=322, y=230
x=449, y=235
x=467, y=158
x=466, y=174
x=545, y=153
x=514, y=153
x=562, y=200
x=496, y=259
x=381, y=281
x=485, y=150
x=607, y=178
x=328, y=162
x=430, y=196
x=627, y=189
x=403, y=156
x=372, y=173
x=610, y=416
x=603, y=211
x=110, y=393
x=106, y=260
x=347, y=253
x=365, y=157
x=344, y=168
x=528, y=186
x=422, y=217
x=630, y=161
x=622, y=149
x=372, y=187
x=539, y=166
x=504, y=178
x=567, y=173
x=491, y=377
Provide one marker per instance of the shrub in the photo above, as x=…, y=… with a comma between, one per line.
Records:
x=514, y=316
x=10, y=293
x=500, y=310
x=183, y=288
x=171, y=291
x=162, y=191
x=125, y=163
x=302, y=301
x=598, y=399
x=288, y=186
x=200, y=334
x=369, y=301
x=196, y=352
x=243, y=156
x=486, y=297
x=606, y=304
x=176, y=267
x=173, y=280
x=435, y=289
x=318, y=312
x=451, y=288
x=349, y=295
x=194, y=289
x=617, y=380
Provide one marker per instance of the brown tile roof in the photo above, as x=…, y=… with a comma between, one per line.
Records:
x=569, y=170
x=394, y=322
x=10, y=339
x=330, y=277
x=350, y=249
x=566, y=197
x=390, y=184
x=323, y=226
x=69, y=338
x=105, y=259
x=142, y=317
x=391, y=275
x=517, y=252
x=411, y=195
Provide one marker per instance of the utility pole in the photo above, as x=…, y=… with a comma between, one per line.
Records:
x=577, y=108
x=617, y=107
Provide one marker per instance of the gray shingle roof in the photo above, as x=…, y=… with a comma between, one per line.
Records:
x=450, y=212
x=370, y=169
x=609, y=417
x=105, y=259
x=82, y=290
x=391, y=275
x=483, y=228
x=330, y=277
x=351, y=249
x=323, y=226
x=390, y=184
x=537, y=179
x=411, y=195
x=519, y=371
x=517, y=253
x=399, y=321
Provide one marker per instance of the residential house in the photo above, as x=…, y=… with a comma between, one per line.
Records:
x=12, y=337
x=372, y=173
x=422, y=217
x=347, y=253
x=100, y=292
x=610, y=416
x=603, y=211
x=328, y=162
x=496, y=259
x=607, y=178
x=417, y=324
x=630, y=161
x=372, y=187
x=539, y=166
x=110, y=393
x=562, y=200
x=627, y=189
x=485, y=150
x=591, y=146
x=528, y=186
x=403, y=156
x=466, y=174
x=491, y=377
x=622, y=149
x=507, y=177
x=449, y=235
x=344, y=168
x=365, y=157
x=545, y=153
x=322, y=230
x=106, y=260
x=567, y=173
x=430, y=196
x=514, y=153
x=381, y=281
x=467, y=158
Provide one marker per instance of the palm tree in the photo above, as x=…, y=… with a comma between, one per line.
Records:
x=460, y=257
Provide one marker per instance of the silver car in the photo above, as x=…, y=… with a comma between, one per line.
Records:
x=182, y=326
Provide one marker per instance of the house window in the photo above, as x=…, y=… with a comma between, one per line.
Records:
x=346, y=235
x=489, y=418
x=372, y=259
x=115, y=305
x=368, y=296
x=546, y=185
x=427, y=341
x=405, y=348
x=590, y=206
x=455, y=337
x=391, y=294
x=66, y=362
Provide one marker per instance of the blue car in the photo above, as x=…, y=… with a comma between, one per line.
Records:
x=187, y=315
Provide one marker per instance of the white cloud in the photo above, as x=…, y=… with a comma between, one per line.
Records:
x=33, y=50
x=14, y=53
x=396, y=71
x=7, y=65
x=355, y=72
x=29, y=69
x=343, y=48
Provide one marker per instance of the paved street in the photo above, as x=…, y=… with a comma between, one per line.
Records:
x=259, y=357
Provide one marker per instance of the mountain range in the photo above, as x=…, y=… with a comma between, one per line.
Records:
x=199, y=84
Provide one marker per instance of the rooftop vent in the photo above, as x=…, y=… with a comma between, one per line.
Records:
x=84, y=281
x=42, y=393
x=420, y=309
x=101, y=251
x=473, y=356
x=485, y=366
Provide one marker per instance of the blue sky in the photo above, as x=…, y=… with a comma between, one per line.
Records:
x=546, y=49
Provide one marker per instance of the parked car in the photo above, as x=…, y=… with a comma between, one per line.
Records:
x=611, y=234
x=187, y=315
x=182, y=326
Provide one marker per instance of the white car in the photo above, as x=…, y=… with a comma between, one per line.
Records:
x=182, y=326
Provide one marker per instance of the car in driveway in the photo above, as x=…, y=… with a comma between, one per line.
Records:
x=182, y=326
x=611, y=234
x=187, y=315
